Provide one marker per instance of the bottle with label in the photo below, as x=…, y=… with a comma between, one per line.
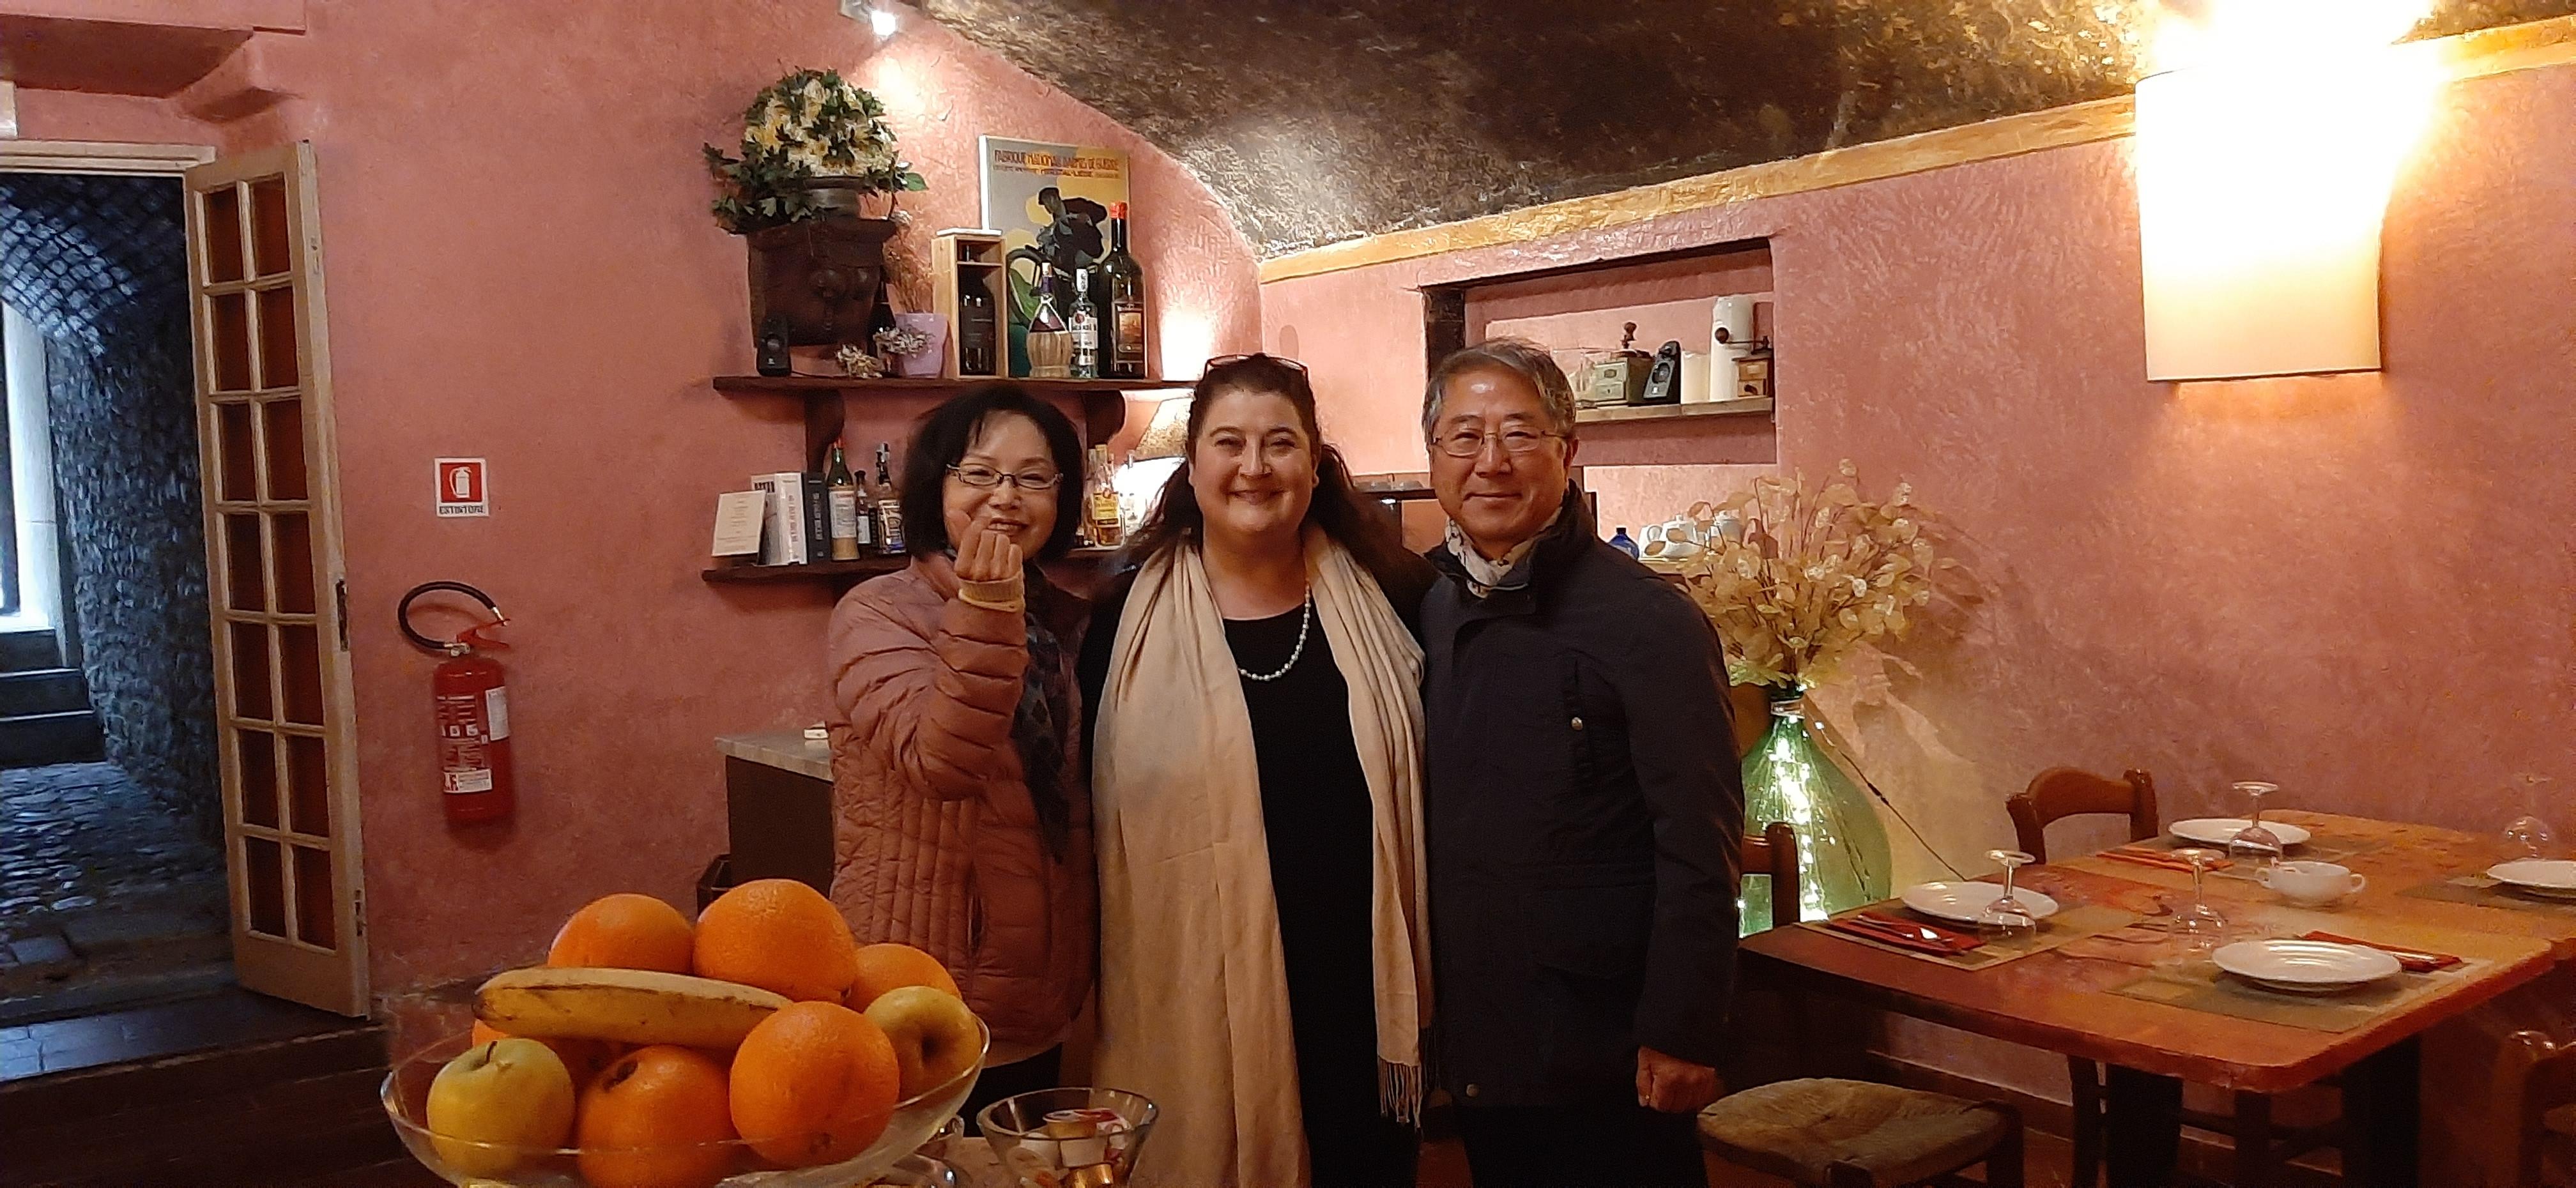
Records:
x=1086, y=328
x=1101, y=523
x=975, y=334
x=1123, y=291
x=849, y=536
x=1045, y=320
x=889, y=504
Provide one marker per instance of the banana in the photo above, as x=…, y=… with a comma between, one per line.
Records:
x=632, y=1006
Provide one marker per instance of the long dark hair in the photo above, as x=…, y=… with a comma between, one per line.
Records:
x=943, y=436
x=1338, y=507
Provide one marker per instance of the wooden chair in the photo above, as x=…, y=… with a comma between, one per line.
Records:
x=1823, y=1133
x=1775, y=855
x=2536, y=1102
x=1748, y=712
x=2055, y=794
x=2062, y=792
x=1828, y=1133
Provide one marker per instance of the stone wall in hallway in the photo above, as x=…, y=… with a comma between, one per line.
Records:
x=96, y=263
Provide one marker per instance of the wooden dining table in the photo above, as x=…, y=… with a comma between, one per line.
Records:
x=2061, y=999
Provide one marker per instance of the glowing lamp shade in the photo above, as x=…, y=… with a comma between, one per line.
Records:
x=1168, y=434
x=2261, y=190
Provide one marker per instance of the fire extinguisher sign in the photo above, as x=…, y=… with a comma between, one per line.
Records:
x=461, y=488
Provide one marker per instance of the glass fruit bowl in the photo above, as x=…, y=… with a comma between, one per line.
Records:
x=728, y=1164
x=1042, y=1139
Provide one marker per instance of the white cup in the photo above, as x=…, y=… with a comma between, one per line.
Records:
x=2313, y=884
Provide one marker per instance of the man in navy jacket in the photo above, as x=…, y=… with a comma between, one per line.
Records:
x=1583, y=807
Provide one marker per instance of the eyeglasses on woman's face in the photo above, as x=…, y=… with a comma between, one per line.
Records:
x=986, y=478
x=1468, y=441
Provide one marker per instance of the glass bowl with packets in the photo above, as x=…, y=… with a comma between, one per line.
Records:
x=1068, y=1138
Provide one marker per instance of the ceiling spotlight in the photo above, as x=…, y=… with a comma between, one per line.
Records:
x=879, y=14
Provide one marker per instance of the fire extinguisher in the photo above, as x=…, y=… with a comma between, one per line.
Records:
x=473, y=711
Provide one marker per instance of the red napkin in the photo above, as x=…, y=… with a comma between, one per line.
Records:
x=2412, y=960
x=1902, y=933
x=2164, y=859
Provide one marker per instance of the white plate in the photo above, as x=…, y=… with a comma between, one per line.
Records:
x=1962, y=901
x=2554, y=877
x=2305, y=966
x=2218, y=831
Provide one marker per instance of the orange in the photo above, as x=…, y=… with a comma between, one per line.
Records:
x=624, y=931
x=814, y=1083
x=656, y=1119
x=883, y=967
x=779, y=935
x=583, y=1058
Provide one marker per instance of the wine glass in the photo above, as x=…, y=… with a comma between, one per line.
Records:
x=2199, y=924
x=2006, y=918
x=2528, y=836
x=2258, y=848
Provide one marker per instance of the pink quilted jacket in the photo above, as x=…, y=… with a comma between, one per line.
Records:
x=935, y=841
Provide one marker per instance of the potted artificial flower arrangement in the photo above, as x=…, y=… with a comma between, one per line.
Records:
x=1796, y=581
x=815, y=149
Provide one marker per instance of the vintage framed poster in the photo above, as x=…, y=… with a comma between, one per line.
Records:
x=1050, y=202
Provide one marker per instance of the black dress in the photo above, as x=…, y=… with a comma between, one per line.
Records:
x=1316, y=816
x=1317, y=819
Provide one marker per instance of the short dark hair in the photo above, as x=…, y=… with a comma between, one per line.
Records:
x=1517, y=356
x=942, y=437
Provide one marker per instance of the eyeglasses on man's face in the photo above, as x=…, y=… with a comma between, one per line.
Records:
x=986, y=477
x=1469, y=442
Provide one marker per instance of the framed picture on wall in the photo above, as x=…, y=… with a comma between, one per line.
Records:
x=1051, y=203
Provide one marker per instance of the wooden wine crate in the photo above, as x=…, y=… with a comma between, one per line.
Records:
x=963, y=261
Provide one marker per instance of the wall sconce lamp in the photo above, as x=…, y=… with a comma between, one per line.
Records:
x=2264, y=166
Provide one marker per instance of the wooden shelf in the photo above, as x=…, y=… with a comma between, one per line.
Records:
x=849, y=571
x=806, y=385
x=1759, y=406
x=1103, y=402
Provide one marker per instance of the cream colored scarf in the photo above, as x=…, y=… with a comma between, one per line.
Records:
x=1193, y=991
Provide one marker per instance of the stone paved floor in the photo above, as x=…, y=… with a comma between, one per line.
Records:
x=102, y=898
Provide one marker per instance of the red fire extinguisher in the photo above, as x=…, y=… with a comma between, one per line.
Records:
x=473, y=712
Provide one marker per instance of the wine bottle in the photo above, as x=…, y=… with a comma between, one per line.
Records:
x=1124, y=292
x=848, y=536
x=889, y=504
x=975, y=333
x=1046, y=320
x=1086, y=328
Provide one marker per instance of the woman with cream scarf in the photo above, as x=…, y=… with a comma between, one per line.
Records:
x=1257, y=808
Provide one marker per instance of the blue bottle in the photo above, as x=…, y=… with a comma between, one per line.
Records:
x=1619, y=540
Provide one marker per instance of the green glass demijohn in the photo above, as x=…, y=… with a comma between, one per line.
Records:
x=1843, y=858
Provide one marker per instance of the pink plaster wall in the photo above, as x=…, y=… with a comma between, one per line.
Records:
x=521, y=267
x=2359, y=587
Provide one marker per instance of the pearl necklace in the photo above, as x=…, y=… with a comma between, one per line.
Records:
x=1303, y=623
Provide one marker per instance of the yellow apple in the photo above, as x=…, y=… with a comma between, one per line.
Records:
x=936, y=1038
x=501, y=1099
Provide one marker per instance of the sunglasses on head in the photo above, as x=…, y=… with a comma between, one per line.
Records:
x=1224, y=360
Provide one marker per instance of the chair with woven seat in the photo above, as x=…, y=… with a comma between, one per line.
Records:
x=1824, y=1133
x=2054, y=795
x=1828, y=1133
x=2062, y=792
x=1774, y=855
x=2536, y=1098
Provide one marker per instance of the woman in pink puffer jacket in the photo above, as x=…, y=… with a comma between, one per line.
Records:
x=962, y=817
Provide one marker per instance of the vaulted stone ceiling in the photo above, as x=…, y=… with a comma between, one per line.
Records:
x=1321, y=120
